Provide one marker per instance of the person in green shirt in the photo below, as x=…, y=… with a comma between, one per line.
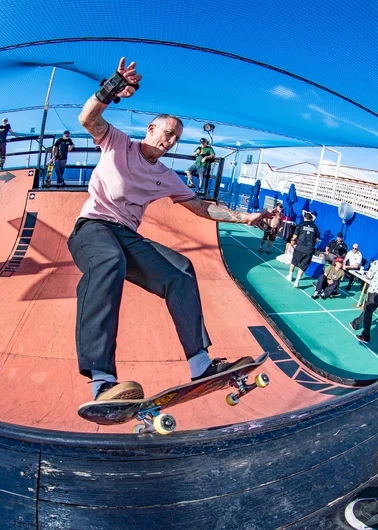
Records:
x=205, y=155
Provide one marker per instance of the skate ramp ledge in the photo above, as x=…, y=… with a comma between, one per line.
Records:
x=265, y=473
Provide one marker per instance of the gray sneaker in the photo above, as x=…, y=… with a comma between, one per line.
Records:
x=219, y=366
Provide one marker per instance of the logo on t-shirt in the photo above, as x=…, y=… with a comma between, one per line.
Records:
x=158, y=183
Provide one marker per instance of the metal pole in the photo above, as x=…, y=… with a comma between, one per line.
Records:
x=318, y=175
x=44, y=118
x=259, y=164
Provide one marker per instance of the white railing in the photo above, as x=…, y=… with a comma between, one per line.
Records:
x=363, y=196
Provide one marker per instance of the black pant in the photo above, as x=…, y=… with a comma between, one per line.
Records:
x=107, y=254
x=323, y=284
x=371, y=304
x=3, y=152
x=60, y=166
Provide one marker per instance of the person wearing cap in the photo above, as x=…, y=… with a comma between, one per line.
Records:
x=306, y=234
x=352, y=260
x=329, y=281
x=5, y=128
x=59, y=152
x=205, y=155
x=335, y=248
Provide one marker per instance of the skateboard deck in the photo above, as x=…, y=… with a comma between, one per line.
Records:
x=118, y=411
x=50, y=168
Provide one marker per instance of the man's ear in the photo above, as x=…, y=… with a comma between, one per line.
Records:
x=151, y=127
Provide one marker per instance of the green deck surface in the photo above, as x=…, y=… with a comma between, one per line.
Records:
x=318, y=329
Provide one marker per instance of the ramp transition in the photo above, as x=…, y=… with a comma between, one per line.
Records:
x=258, y=465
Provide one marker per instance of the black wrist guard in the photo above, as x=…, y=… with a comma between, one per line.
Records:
x=111, y=87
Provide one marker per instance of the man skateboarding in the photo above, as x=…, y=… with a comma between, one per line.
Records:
x=107, y=248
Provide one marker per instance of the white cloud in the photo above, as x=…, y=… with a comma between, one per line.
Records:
x=330, y=118
x=283, y=92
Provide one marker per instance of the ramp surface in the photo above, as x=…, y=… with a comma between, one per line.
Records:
x=13, y=188
x=38, y=306
x=259, y=465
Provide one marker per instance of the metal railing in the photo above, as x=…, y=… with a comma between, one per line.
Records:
x=363, y=196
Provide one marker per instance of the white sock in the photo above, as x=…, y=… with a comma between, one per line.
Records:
x=199, y=363
x=99, y=378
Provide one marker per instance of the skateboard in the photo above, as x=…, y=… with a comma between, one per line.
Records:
x=50, y=168
x=148, y=410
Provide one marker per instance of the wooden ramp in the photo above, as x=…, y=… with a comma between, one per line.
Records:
x=13, y=194
x=38, y=313
x=259, y=465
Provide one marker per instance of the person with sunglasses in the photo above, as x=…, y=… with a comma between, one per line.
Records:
x=352, y=261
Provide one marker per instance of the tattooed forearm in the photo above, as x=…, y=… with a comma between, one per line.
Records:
x=214, y=212
x=92, y=120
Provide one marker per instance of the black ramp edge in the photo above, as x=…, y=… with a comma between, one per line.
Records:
x=264, y=474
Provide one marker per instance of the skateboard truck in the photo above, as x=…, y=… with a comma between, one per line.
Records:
x=154, y=421
x=261, y=380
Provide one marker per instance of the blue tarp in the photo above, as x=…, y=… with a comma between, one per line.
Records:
x=269, y=66
x=253, y=203
x=290, y=200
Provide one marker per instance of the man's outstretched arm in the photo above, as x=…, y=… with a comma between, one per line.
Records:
x=209, y=210
x=91, y=115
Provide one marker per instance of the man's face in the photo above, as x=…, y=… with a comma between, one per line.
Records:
x=203, y=143
x=66, y=135
x=5, y=122
x=355, y=248
x=164, y=135
x=339, y=238
x=338, y=264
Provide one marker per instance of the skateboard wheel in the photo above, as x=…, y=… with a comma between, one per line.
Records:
x=232, y=399
x=138, y=428
x=262, y=380
x=164, y=423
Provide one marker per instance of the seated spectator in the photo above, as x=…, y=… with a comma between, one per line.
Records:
x=352, y=260
x=336, y=248
x=329, y=281
x=288, y=256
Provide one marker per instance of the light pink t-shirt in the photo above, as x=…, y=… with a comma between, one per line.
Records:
x=124, y=182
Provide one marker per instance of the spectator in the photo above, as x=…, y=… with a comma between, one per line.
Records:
x=60, y=150
x=329, y=281
x=274, y=225
x=371, y=304
x=5, y=128
x=288, y=255
x=352, y=260
x=336, y=247
x=307, y=235
x=205, y=155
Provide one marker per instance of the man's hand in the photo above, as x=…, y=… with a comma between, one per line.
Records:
x=214, y=212
x=203, y=160
x=259, y=219
x=130, y=75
